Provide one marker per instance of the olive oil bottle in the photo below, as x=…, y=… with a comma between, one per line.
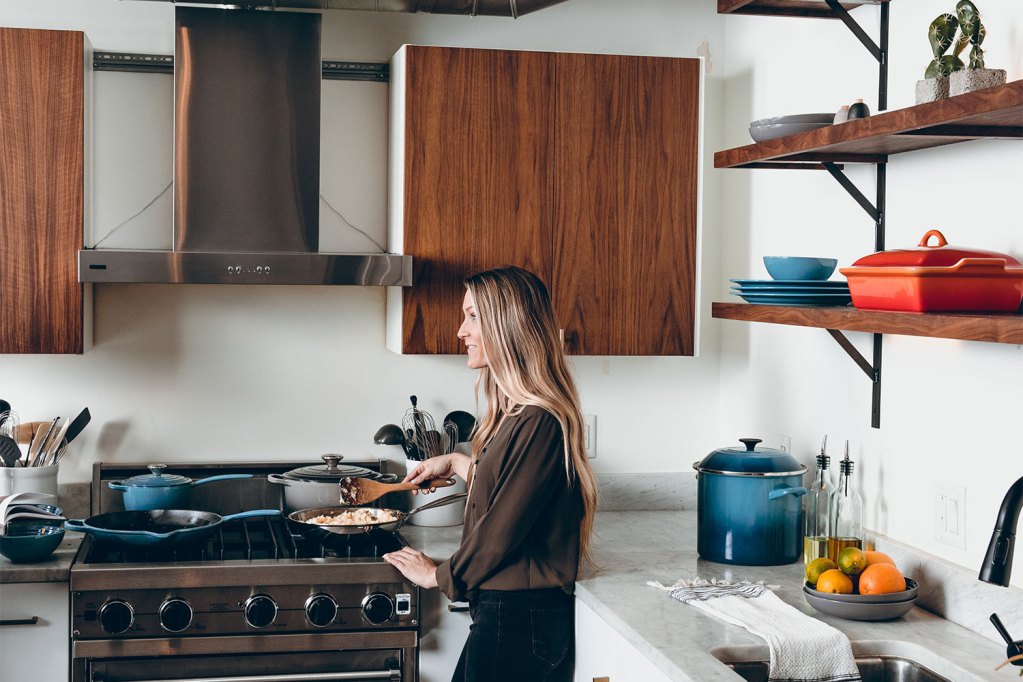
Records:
x=817, y=518
x=846, y=512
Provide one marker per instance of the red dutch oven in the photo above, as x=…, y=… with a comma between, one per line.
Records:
x=936, y=278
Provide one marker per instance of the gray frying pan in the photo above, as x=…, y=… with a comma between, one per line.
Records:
x=303, y=517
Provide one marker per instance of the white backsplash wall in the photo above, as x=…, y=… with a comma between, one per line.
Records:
x=950, y=410
x=187, y=373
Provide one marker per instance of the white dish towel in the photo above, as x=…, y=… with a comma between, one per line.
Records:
x=803, y=649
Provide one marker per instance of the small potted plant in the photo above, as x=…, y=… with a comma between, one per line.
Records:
x=947, y=74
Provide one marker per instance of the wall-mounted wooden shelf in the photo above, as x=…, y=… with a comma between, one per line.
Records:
x=993, y=327
x=994, y=113
x=787, y=8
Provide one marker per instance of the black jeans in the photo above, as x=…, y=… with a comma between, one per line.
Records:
x=519, y=636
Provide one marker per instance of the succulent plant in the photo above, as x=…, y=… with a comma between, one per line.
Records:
x=942, y=34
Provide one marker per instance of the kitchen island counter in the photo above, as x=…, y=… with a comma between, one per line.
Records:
x=632, y=548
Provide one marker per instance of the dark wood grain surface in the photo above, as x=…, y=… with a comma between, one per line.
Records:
x=477, y=179
x=41, y=190
x=993, y=327
x=790, y=8
x=625, y=203
x=991, y=113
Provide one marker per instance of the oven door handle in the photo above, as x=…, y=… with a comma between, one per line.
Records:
x=356, y=675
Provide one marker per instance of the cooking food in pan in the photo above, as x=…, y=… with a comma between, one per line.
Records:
x=355, y=517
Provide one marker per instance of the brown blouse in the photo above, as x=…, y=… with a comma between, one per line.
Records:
x=522, y=518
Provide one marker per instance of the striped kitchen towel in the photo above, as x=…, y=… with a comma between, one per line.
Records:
x=803, y=649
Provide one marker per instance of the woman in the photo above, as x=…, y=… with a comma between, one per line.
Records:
x=532, y=494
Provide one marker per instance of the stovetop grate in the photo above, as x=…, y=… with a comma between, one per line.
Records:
x=251, y=539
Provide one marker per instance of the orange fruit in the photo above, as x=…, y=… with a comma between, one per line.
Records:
x=878, y=558
x=882, y=579
x=818, y=566
x=834, y=581
x=852, y=560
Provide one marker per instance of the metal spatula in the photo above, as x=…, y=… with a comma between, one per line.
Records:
x=353, y=491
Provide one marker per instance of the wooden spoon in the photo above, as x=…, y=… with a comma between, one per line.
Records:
x=363, y=490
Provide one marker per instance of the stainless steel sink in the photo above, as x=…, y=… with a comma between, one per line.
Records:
x=872, y=669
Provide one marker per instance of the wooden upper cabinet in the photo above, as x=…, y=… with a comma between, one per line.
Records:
x=477, y=130
x=625, y=190
x=581, y=168
x=42, y=114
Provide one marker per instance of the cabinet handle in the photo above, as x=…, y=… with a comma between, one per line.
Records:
x=561, y=336
x=457, y=608
x=34, y=620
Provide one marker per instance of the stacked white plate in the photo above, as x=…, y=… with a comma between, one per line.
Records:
x=780, y=126
x=797, y=292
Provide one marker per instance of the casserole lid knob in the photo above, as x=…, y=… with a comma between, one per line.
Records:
x=157, y=478
x=749, y=459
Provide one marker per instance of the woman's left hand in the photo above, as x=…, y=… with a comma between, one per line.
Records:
x=414, y=565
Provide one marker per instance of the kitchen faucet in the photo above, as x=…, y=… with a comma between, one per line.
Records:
x=997, y=566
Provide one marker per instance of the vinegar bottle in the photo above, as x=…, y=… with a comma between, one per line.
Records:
x=818, y=510
x=846, y=512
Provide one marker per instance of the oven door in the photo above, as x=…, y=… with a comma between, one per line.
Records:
x=344, y=657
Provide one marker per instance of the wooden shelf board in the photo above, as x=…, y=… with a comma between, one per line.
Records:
x=787, y=8
x=992, y=327
x=994, y=113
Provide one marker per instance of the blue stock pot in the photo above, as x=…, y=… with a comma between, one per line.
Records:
x=749, y=508
x=159, y=490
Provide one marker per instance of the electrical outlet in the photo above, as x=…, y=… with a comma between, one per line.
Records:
x=590, y=435
x=785, y=442
x=950, y=515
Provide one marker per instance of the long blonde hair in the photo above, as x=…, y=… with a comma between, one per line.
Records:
x=526, y=366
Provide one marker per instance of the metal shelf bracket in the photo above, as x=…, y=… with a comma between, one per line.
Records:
x=879, y=52
x=872, y=370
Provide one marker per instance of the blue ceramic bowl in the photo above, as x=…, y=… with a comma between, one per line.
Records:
x=28, y=543
x=799, y=267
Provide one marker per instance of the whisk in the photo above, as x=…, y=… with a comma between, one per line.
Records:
x=421, y=436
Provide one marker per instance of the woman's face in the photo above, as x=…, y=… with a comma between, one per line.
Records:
x=469, y=333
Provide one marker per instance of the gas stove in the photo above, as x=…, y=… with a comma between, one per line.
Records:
x=255, y=585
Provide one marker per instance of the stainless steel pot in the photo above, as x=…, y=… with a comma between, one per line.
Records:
x=317, y=485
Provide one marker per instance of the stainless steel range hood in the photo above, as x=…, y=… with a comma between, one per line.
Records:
x=246, y=162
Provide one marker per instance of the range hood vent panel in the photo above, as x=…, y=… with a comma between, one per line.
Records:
x=246, y=162
x=247, y=131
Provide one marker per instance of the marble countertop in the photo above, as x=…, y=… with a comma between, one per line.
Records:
x=56, y=569
x=678, y=639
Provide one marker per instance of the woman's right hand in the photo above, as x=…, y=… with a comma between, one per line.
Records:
x=442, y=466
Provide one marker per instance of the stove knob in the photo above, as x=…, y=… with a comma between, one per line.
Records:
x=321, y=610
x=260, y=610
x=116, y=616
x=175, y=615
x=378, y=608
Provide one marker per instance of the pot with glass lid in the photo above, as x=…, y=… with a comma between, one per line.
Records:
x=749, y=508
x=317, y=485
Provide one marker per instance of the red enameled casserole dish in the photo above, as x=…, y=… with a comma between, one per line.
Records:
x=936, y=278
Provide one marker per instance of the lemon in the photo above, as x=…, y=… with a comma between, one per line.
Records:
x=818, y=566
x=852, y=561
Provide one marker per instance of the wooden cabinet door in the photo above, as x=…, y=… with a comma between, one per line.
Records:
x=41, y=190
x=478, y=129
x=625, y=191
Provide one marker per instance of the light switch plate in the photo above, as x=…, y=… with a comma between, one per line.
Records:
x=590, y=435
x=950, y=515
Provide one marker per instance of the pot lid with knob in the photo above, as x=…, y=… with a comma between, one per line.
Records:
x=331, y=471
x=749, y=460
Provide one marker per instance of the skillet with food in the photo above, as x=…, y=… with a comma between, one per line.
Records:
x=352, y=520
